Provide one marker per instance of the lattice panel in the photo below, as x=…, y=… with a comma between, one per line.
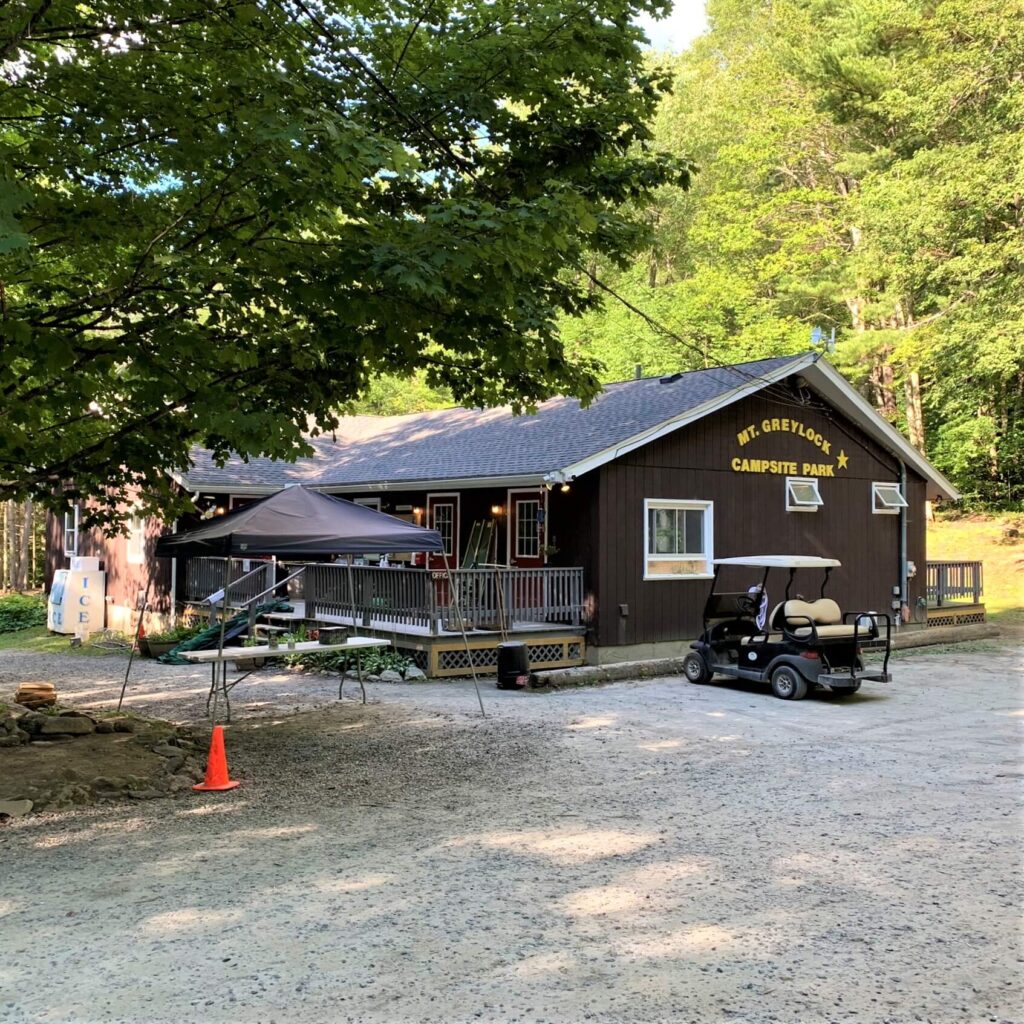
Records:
x=941, y=620
x=460, y=659
x=544, y=652
x=573, y=651
x=421, y=659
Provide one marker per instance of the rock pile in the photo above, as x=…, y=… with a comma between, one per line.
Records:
x=177, y=764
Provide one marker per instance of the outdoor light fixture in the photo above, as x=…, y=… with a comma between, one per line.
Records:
x=565, y=488
x=417, y=511
x=219, y=510
x=497, y=510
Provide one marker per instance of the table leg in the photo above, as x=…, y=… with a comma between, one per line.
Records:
x=213, y=689
x=227, y=699
x=359, y=672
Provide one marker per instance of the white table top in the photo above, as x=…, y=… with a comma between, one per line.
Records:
x=265, y=651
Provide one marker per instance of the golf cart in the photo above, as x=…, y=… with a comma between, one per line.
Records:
x=798, y=645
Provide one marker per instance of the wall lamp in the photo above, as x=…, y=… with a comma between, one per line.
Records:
x=564, y=488
x=497, y=510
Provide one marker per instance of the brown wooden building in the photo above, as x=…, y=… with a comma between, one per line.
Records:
x=606, y=519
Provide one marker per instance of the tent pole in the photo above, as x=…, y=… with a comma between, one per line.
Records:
x=138, y=630
x=351, y=591
x=462, y=627
x=220, y=666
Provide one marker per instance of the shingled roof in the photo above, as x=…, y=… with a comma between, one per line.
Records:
x=482, y=444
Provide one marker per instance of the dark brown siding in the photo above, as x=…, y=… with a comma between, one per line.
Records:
x=750, y=517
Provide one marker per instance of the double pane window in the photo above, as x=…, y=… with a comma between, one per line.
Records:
x=678, y=538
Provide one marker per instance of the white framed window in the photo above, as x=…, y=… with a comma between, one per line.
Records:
x=136, y=539
x=443, y=520
x=71, y=521
x=886, y=498
x=373, y=503
x=802, y=494
x=528, y=523
x=678, y=539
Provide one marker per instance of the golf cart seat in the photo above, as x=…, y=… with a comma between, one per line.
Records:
x=793, y=616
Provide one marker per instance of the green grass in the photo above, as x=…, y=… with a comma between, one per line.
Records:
x=976, y=538
x=39, y=640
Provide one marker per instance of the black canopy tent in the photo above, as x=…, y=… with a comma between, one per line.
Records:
x=300, y=522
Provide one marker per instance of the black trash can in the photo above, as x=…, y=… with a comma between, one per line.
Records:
x=513, y=666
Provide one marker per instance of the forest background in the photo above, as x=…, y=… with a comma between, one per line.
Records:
x=860, y=170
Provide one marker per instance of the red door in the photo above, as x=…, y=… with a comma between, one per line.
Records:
x=527, y=536
x=526, y=530
x=443, y=516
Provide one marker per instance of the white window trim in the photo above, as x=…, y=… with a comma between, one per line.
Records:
x=373, y=503
x=887, y=510
x=71, y=552
x=452, y=498
x=794, y=506
x=136, y=540
x=538, y=521
x=708, y=508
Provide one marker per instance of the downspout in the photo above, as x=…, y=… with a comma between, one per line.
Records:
x=904, y=590
x=174, y=582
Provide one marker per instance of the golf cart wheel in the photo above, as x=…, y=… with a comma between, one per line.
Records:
x=695, y=668
x=788, y=684
x=845, y=691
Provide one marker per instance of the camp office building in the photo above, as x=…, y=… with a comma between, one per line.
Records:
x=590, y=534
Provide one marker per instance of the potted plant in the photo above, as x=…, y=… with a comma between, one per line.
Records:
x=167, y=639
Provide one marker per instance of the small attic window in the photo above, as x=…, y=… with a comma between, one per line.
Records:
x=802, y=494
x=886, y=499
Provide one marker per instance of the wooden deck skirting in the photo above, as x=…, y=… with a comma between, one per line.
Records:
x=956, y=615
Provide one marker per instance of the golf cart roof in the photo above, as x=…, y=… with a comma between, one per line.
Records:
x=781, y=561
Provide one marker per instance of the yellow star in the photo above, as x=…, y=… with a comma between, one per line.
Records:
x=842, y=459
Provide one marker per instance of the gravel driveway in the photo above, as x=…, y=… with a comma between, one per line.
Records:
x=638, y=852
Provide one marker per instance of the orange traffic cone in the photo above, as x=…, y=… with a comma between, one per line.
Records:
x=216, y=765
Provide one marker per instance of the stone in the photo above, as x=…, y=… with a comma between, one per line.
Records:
x=104, y=725
x=372, y=679
x=414, y=672
x=174, y=764
x=123, y=725
x=389, y=675
x=145, y=794
x=113, y=784
x=73, y=713
x=179, y=783
x=14, y=808
x=71, y=725
x=166, y=750
x=31, y=720
x=14, y=739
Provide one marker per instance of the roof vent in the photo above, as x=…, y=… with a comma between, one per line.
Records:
x=671, y=378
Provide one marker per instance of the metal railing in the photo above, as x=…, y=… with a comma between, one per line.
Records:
x=247, y=578
x=947, y=582
x=368, y=594
x=490, y=598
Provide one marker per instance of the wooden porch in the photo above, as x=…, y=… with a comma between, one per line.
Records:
x=416, y=608
x=954, y=592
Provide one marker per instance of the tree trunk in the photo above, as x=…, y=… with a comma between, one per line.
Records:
x=915, y=415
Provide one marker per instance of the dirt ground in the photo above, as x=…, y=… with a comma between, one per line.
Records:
x=638, y=852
